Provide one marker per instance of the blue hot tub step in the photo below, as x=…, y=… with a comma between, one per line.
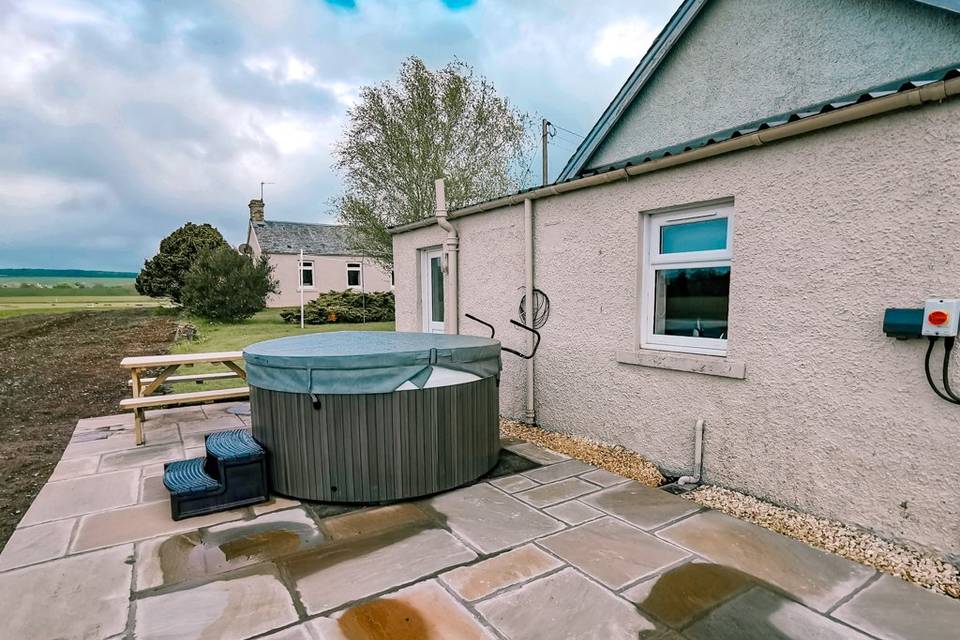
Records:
x=233, y=474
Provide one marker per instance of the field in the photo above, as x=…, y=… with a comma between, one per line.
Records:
x=49, y=281
x=57, y=295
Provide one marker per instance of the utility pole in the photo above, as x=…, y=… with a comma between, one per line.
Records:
x=545, y=132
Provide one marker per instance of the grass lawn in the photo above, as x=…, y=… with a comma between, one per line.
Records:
x=267, y=324
x=22, y=305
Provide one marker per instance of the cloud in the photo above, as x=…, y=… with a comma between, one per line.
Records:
x=120, y=122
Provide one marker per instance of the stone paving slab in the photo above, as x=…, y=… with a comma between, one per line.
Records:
x=512, y=567
x=816, y=578
x=512, y=484
x=559, y=471
x=761, y=615
x=29, y=545
x=563, y=605
x=420, y=612
x=341, y=573
x=237, y=608
x=68, y=498
x=640, y=505
x=537, y=454
x=550, y=494
x=604, y=478
x=573, y=512
x=896, y=610
x=612, y=552
x=75, y=467
x=140, y=457
x=489, y=519
x=80, y=597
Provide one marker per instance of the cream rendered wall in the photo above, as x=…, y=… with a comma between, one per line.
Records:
x=830, y=228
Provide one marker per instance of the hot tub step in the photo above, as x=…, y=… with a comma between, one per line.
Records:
x=188, y=478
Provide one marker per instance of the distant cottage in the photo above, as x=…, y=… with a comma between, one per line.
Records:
x=328, y=262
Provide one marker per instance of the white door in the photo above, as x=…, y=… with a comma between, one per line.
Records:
x=431, y=289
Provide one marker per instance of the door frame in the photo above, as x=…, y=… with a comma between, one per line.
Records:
x=427, y=324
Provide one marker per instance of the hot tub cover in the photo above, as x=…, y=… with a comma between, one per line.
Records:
x=354, y=362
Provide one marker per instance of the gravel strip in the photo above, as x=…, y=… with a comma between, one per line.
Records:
x=614, y=459
x=844, y=540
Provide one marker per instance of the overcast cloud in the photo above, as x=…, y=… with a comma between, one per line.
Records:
x=120, y=121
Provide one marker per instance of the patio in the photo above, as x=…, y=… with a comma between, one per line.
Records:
x=559, y=550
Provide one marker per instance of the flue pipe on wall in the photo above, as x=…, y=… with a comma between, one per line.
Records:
x=451, y=255
x=528, y=301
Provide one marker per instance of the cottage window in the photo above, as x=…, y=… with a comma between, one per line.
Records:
x=354, y=278
x=686, y=280
x=306, y=274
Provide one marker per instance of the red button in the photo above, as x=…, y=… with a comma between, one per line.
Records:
x=938, y=317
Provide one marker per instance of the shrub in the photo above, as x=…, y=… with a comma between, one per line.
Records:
x=163, y=275
x=227, y=286
x=344, y=306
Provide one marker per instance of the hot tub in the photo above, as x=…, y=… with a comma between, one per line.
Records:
x=357, y=416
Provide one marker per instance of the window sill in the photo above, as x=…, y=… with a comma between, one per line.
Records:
x=707, y=365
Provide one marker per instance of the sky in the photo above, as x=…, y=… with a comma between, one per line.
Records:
x=121, y=121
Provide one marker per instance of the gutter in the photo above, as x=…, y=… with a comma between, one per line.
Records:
x=933, y=92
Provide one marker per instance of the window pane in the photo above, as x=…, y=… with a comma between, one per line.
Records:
x=692, y=302
x=353, y=278
x=436, y=290
x=704, y=235
x=306, y=275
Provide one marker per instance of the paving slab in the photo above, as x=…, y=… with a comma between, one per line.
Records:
x=87, y=494
x=225, y=547
x=759, y=614
x=604, y=478
x=74, y=468
x=79, y=597
x=537, y=454
x=489, y=519
x=209, y=425
x=299, y=632
x=38, y=543
x=896, y=610
x=274, y=504
x=612, y=552
x=119, y=441
x=684, y=593
x=512, y=567
x=640, y=505
x=573, y=512
x=549, y=494
x=563, y=605
x=141, y=456
x=371, y=522
x=104, y=422
x=815, y=578
x=357, y=568
x=558, y=471
x=237, y=608
x=419, y=612
x=153, y=490
x=139, y=522
x=512, y=484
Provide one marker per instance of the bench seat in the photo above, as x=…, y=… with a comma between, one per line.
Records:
x=195, y=377
x=192, y=397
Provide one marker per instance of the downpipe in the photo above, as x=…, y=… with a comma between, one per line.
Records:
x=697, y=457
x=531, y=413
x=451, y=256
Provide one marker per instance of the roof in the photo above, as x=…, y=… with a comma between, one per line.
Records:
x=644, y=71
x=276, y=236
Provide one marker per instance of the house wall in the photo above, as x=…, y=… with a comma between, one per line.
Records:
x=832, y=418
x=742, y=61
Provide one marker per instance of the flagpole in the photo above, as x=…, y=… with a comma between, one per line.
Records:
x=301, y=288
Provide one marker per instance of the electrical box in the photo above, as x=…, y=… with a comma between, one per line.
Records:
x=903, y=324
x=941, y=317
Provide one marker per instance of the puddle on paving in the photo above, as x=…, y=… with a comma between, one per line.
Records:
x=684, y=593
x=187, y=556
x=383, y=619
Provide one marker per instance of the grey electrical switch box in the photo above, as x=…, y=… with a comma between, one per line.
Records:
x=941, y=317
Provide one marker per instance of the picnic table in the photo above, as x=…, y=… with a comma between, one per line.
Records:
x=143, y=387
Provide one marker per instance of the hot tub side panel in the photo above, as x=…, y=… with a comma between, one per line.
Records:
x=378, y=447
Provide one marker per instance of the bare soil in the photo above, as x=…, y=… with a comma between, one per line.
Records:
x=54, y=370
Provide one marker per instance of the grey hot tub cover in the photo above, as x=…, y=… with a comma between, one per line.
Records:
x=355, y=362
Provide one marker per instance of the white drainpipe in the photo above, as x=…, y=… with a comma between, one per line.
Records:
x=528, y=301
x=451, y=254
x=697, y=457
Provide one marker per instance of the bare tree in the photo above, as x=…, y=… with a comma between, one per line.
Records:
x=428, y=124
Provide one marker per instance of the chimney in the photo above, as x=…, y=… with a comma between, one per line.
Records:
x=256, y=211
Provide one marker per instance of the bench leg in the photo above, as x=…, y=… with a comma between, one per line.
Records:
x=138, y=425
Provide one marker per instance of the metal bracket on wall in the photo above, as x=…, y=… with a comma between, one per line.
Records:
x=493, y=332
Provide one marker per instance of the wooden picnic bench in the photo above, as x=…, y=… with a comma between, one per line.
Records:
x=143, y=387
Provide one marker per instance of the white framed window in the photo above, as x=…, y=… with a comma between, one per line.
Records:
x=306, y=274
x=685, y=285
x=354, y=274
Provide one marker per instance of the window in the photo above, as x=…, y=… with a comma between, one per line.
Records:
x=306, y=274
x=353, y=274
x=686, y=280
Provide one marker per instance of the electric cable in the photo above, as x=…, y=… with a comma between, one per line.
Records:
x=947, y=349
x=926, y=369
